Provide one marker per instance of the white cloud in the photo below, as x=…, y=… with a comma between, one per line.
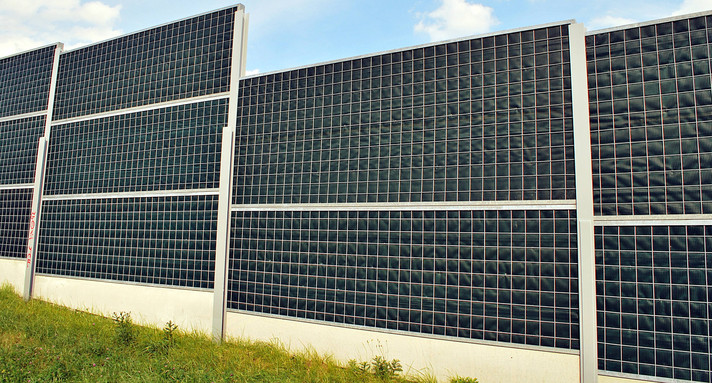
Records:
x=691, y=6
x=456, y=18
x=29, y=24
x=608, y=21
x=251, y=72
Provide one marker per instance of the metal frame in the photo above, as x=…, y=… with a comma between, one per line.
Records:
x=16, y=186
x=376, y=206
x=34, y=224
x=581, y=124
x=227, y=156
x=21, y=116
x=588, y=338
x=40, y=169
x=652, y=221
x=137, y=194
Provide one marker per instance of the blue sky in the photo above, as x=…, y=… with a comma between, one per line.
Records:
x=289, y=33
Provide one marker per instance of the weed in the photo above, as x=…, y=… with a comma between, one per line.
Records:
x=462, y=379
x=166, y=342
x=384, y=369
x=379, y=366
x=359, y=368
x=169, y=331
x=125, y=332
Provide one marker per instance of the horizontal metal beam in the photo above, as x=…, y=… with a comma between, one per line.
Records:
x=483, y=205
x=137, y=194
x=655, y=220
x=16, y=186
x=23, y=116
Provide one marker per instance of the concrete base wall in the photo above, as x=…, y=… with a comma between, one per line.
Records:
x=12, y=271
x=152, y=305
x=438, y=357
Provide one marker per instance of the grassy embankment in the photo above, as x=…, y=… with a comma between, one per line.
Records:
x=42, y=342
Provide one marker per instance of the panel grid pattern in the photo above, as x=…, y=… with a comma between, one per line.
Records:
x=487, y=119
x=507, y=276
x=651, y=118
x=18, y=156
x=25, y=81
x=653, y=300
x=166, y=157
x=185, y=59
x=14, y=215
x=161, y=149
x=159, y=240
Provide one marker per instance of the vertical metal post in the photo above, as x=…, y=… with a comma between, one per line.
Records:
x=588, y=337
x=52, y=90
x=33, y=231
x=36, y=207
x=222, y=248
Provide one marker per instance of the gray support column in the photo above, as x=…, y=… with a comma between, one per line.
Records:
x=36, y=207
x=584, y=206
x=222, y=245
x=33, y=231
x=52, y=89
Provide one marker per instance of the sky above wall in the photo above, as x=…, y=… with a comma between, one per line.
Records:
x=289, y=33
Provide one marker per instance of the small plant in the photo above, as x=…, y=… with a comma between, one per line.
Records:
x=359, y=368
x=379, y=366
x=125, y=332
x=385, y=369
x=462, y=379
x=167, y=341
x=169, y=331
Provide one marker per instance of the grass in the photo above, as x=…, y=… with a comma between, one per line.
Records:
x=42, y=342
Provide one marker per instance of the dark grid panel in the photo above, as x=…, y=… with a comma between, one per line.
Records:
x=653, y=288
x=478, y=120
x=14, y=219
x=508, y=276
x=18, y=149
x=159, y=240
x=24, y=82
x=160, y=149
x=188, y=58
x=651, y=118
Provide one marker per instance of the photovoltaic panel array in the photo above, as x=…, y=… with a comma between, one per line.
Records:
x=160, y=149
x=24, y=89
x=653, y=300
x=482, y=119
x=131, y=195
x=159, y=240
x=477, y=120
x=18, y=157
x=651, y=135
x=180, y=60
x=25, y=80
x=507, y=276
x=651, y=118
x=14, y=218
